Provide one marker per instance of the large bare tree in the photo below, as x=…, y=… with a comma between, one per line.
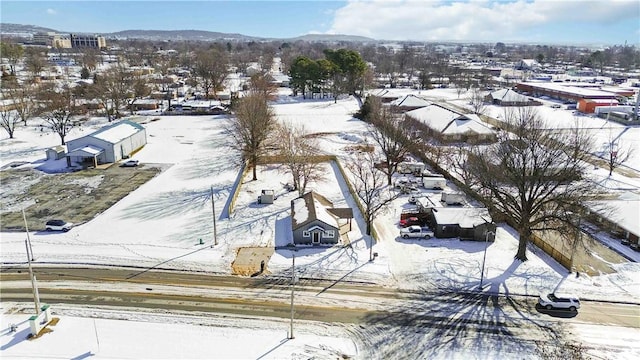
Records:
x=22, y=98
x=297, y=150
x=211, y=67
x=250, y=128
x=112, y=89
x=533, y=176
x=35, y=60
x=9, y=119
x=370, y=187
x=59, y=110
x=616, y=153
x=388, y=131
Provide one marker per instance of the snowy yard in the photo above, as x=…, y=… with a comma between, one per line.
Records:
x=161, y=225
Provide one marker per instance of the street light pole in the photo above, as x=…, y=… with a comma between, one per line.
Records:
x=484, y=256
x=29, y=248
x=213, y=209
x=36, y=296
x=293, y=285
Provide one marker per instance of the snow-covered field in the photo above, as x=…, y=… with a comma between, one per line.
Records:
x=163, y=221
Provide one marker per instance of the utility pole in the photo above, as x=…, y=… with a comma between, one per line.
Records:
x=36, y=296
x=213, y=209
x=293, y=285
x=29, y=248
x=484, y=257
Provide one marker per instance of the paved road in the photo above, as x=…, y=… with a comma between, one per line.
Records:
x=319, y=300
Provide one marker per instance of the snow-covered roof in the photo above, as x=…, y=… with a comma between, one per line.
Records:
x=309, y=207
x=508, y=95
x=448, y=121
x=465, y=217
x=624, y=211
x=117, y=132
x=411, y=101
x=88, y=150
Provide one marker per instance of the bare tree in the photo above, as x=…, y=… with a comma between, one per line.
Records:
x=617, y=153
x=298, y=149
x=477, y=101
x=59, y=110
x=13, y=53
x=138, y=90
x=390, y=134
x=250, y=128
x=535, y=177
x=111, y=89
x=9, y=118
x=369, y=186
x=22, y=97
x=211, y=67
x=35, y=61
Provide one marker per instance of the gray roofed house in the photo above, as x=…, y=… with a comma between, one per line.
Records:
x=314, y=221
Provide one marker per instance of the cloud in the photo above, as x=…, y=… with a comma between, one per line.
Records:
x=51, y=11
x=473, y=20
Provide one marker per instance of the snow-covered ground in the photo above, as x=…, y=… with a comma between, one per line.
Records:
x=162, y=223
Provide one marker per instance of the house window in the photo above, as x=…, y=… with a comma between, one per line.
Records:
x=328, y=234
x=305, y=234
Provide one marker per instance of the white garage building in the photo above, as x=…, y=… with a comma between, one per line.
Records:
x=107, y=145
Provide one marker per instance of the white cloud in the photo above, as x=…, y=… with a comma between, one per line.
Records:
x=470, y=20
x=51, y=11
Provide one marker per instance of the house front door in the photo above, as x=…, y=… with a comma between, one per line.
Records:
x=316, y=237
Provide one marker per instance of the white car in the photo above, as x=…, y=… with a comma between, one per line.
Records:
x=553, y=301
x=58, y=225
x=415, y=231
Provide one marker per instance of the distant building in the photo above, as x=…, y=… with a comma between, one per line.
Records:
x=508, y=97
x=88, y=40
x=58, y=41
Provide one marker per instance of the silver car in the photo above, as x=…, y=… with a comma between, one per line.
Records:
x=553, y=301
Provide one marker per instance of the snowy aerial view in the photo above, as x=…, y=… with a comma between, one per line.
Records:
x=169, y=195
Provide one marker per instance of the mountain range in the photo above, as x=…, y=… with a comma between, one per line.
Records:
x=7, y=29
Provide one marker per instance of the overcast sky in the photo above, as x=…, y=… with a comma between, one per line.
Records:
x=548, y=21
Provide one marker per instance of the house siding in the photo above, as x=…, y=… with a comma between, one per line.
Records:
x=300, y=239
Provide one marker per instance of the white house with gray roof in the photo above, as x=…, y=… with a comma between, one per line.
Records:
x=110, y=144
x=314, y=220
x=450, y=126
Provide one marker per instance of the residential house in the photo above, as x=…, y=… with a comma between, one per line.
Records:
x=409, y=102
x=450, y=126
x=314, y=220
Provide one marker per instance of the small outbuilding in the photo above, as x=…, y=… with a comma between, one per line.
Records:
x=464, y=223
x=56, y=152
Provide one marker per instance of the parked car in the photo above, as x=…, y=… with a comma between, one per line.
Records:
x=129, y=163
x=58, y=225
x=410, y=221
x=415, y=231
x=553, y=301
